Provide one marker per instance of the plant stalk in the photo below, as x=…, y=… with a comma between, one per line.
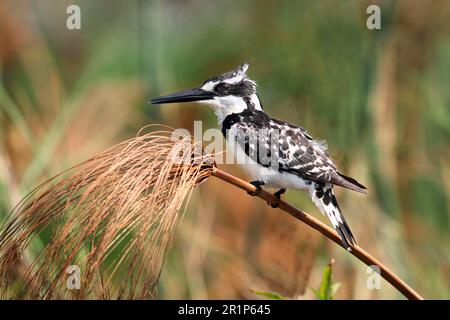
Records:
x=328, y=232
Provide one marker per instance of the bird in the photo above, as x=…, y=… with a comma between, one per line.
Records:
x=274, y=153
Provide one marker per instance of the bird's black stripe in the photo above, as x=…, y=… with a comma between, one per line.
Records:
x=229, y=121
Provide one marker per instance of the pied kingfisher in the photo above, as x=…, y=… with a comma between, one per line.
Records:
x=301, y=162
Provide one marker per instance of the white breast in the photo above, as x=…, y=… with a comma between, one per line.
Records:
x=270, y=175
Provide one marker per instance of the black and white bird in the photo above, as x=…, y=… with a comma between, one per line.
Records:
x=276, y=154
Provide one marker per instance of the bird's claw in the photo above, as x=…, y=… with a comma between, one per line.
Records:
x=275, y=204
x=257, y=185
x=277, y=195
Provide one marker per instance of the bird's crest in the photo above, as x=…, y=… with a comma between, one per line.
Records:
x=242, y=69
x=234, y=76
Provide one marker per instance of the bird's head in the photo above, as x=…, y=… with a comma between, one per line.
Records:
x=231, y=92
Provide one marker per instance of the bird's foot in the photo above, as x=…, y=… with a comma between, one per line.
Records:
x=277, y=195
x=258, y=185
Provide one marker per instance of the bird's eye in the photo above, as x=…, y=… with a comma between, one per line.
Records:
x=222, y=87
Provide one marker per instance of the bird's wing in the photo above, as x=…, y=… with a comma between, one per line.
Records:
x=298, y=153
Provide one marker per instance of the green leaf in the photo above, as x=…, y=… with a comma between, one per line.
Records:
x=327, y=288
x=268, y=295
x=334, y=288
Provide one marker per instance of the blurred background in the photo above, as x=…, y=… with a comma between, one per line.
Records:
x=381, y=98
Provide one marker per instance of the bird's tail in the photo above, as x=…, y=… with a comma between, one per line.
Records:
x=324, y=198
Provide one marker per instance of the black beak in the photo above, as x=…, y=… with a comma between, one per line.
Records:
x=196, y=94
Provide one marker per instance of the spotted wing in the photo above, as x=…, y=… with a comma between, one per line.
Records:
x=300, y=154
x=285, y=147
x=275, y=143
